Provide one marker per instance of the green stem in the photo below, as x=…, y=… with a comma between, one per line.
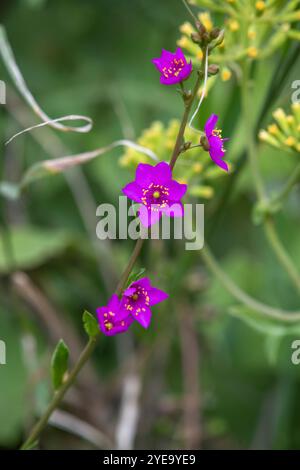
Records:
x=243, y=297
x=280, y=252
x=59, y=395
x=248, y=119
x=188, y=107
x=271, y=234
x=130, y=265
x=293, y=179
x=175, y=154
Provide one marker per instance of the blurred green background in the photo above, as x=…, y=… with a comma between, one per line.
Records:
x=205, y=378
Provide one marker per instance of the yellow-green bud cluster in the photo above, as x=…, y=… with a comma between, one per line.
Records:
x=268, y=25
x=284, y=133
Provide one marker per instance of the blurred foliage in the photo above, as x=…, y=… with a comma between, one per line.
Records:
x=94, y=58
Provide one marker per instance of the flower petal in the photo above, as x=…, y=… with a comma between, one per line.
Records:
x=144, y=318
x=113, y=303
x=176, y=190
x=156, y=296
x=158, y=64
x=175, y=209
x=143, y=282
x=129, y=291
x=218, y=161
x=210, y=124
x=144, y=174
x=148, y=217
x=180, y=55
x=216, y=146
x=162, y=173
x=133, y=191
x=167, y=55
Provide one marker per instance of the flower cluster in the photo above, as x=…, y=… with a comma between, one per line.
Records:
x=158, y=193
x=136, y=302
x=269, y=25
x=284, y=133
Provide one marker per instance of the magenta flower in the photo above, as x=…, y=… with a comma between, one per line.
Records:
x=138, y=299
x=157, y=192
x=215, y=141
x=174, y=68
x=112, y=319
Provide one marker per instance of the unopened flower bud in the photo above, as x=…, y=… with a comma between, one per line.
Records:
x=215, y=33
x=216, y=42
x=201, y=28
x=204, y=142
x=195, y=37
x=213, y=69
x=205, y=37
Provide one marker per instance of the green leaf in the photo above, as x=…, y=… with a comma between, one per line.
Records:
x=32, y=247
x=59, y=363
x=135, y=276
x=90, y=324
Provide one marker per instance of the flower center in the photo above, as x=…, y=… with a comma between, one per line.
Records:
x=174, y=68
x=135, y=296
x=108, y=325
x=155, y=195
x=217, y=133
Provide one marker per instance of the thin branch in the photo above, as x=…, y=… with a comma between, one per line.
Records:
x=59, y=395
x=243, y=297
x=189, y=10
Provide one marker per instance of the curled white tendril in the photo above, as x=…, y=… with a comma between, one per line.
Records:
x=202, y=94
x=15, y=73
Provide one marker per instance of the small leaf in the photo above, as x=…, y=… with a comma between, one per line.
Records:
x=90, y=324
x=135, y=276
x=59, y=363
